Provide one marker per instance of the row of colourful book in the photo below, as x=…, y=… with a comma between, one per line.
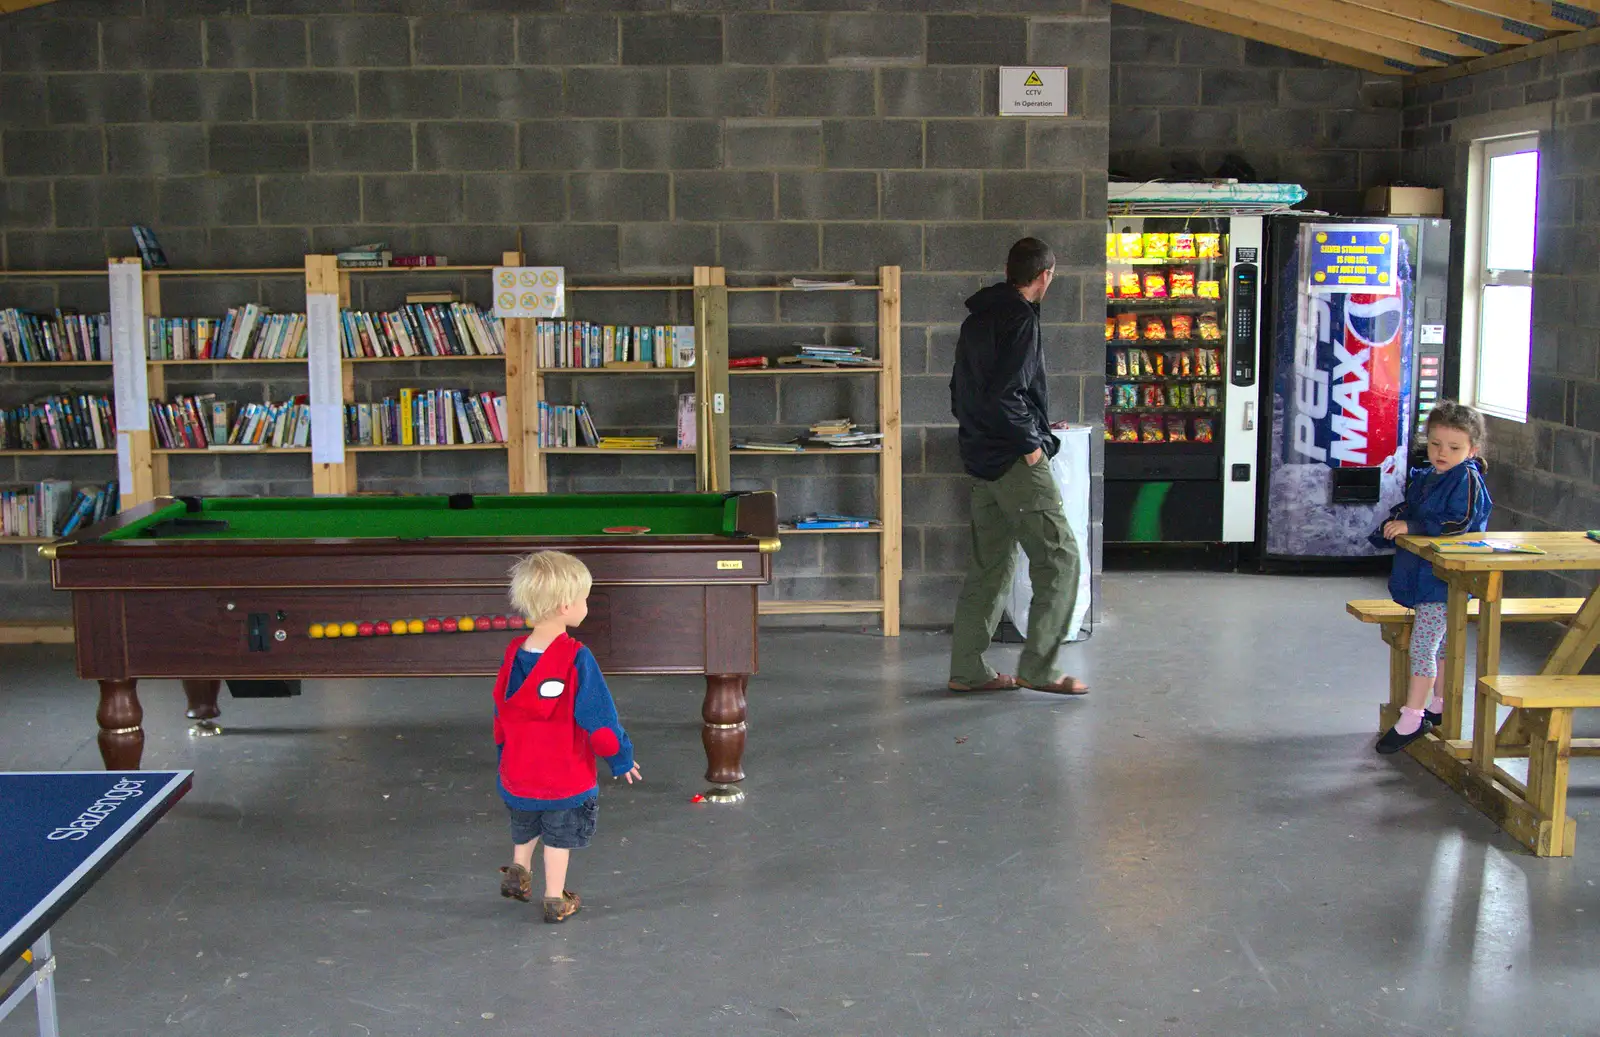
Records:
x=579, y=343
x=28, y=338
x=205, y=422
x=432, y=417
x=64, y=421
x=50, y=508
x=439, y=329
x=377, y=254
x=248, y=332
x=562, y=425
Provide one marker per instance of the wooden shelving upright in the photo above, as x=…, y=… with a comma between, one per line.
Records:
x=889, y=530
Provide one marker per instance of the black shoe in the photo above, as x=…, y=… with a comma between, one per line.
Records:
x=1430, y=717
x=1392, y=741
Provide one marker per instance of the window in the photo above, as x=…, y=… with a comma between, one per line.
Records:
x=1502, y=202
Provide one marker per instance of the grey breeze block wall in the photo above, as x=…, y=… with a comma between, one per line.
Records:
x=1185, y=94
x=623, y=140
x=1542, y=474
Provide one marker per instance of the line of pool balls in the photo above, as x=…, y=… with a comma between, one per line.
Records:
x=386, y=628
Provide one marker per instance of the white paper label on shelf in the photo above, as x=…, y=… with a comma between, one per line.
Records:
x=124, y=464
x=530, y=291
x=325, y=381
x=1433, y=334
x=1033, y=90
x=128, y=371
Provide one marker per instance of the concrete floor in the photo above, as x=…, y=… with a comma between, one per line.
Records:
x=1205, y=846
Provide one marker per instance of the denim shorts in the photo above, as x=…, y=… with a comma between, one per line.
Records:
x=569, y=829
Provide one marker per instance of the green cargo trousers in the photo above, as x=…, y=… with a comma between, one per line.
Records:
x=1022, y=506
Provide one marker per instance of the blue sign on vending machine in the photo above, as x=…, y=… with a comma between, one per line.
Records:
x=1348, y=258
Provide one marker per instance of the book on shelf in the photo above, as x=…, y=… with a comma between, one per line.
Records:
x=629, y=443
x=276, y=425
x=768, y=446
x=150, y=251
x=369, y=254
x=841, y=432
x=64, y=421
x=419, y=261
x=737, y=363
x=1486, y=546
x=248, y=332
x=810, y=355
x=428, y=417
x=91, y=506
x=577, y=343
x=812, y=284
x=832, y=520
x=564, y=425
x=36, y=338
x=422, y=330
x=38, y=510
x=688, y=426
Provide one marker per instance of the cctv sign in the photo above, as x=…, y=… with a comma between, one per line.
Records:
x=1031, y=90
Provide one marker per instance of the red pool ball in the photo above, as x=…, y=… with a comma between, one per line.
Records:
x=365, y=629
x=432, y=626
x=449, y=625
x=499, y=622
x=381, y=628
x=483, y=623
x=515, y=623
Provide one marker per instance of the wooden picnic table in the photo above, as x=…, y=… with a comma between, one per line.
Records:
x=1472, y=771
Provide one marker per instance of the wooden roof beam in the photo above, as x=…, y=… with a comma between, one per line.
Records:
x=1536, y=13
x=1292, y=21
x=1447, y=16
x=1369, y=20
x=1263, y=33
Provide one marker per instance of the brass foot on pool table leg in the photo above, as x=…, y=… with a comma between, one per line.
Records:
x=205, y=729
x=724, y=794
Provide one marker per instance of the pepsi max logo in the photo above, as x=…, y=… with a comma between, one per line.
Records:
x=1373, y=319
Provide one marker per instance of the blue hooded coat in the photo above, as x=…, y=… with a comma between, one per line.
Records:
x=1437, y=504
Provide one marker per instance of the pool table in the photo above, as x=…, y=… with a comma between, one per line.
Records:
x=203, y=589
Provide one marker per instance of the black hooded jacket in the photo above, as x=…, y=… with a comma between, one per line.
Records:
x=997, y=390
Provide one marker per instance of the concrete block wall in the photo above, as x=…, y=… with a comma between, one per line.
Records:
x=1544, y=473
x=1185, y=94
x=619, y=139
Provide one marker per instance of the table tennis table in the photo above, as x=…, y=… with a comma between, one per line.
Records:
x=59, y=832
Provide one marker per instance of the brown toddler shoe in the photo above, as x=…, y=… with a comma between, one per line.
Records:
x=559, y=909
x=517, y=884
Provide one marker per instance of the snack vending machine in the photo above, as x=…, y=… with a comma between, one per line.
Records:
x=1354, y=360
x=1182, y=295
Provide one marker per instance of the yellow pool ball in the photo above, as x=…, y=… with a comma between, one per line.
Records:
x=348, y=630
x=315, y=631
x=330, y=630
x=398, y=627
x=413, y=626
x=465, y=624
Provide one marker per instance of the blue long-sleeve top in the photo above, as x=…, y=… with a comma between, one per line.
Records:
x=1437, y=503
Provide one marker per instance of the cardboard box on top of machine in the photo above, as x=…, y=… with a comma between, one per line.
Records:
x=1405, y=201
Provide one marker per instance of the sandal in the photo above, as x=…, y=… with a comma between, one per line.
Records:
x=1059, y=686
x=559, y=909
x=517, y=884
x=999, y=682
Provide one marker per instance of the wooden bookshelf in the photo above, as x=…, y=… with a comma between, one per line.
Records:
x=888, y=528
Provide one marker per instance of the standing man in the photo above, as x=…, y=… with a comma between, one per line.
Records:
x=997, y=393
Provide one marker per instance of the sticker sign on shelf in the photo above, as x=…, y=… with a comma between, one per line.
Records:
x=1352, y=258
x=325, y=380
x=530, y=291
x=1033, y=90
x=132, y=389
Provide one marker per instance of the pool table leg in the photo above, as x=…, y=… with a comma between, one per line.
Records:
x=120, y=717
x=723, y=731
x=202, y=696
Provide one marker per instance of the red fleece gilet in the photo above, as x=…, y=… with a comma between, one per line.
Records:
x=547, y=754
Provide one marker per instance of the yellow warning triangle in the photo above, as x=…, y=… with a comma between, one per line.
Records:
x=1033, y=80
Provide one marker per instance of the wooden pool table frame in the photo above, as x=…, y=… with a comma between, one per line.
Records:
x=186, y=609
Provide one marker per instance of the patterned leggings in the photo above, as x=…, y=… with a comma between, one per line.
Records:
x=1427, y=639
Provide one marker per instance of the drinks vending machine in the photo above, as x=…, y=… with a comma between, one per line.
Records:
x=1353, y=360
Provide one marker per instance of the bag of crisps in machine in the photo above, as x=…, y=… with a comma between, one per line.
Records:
x=1208, y=246
x=1182, y=246
x=1177, y=430
x=1182, y=282
x=1128, y=285
x=1128, y=327
x=1155, y=246
x=1155, y=284
x=1182, y=326
x=1132, y=246
x=1155, y=330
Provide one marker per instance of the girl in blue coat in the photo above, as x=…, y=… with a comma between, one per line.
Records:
x=1446, y=497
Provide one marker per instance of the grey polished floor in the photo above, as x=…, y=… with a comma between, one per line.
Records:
x=1205, y=846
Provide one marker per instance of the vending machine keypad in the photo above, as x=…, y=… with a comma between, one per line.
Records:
x=1244, y=324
